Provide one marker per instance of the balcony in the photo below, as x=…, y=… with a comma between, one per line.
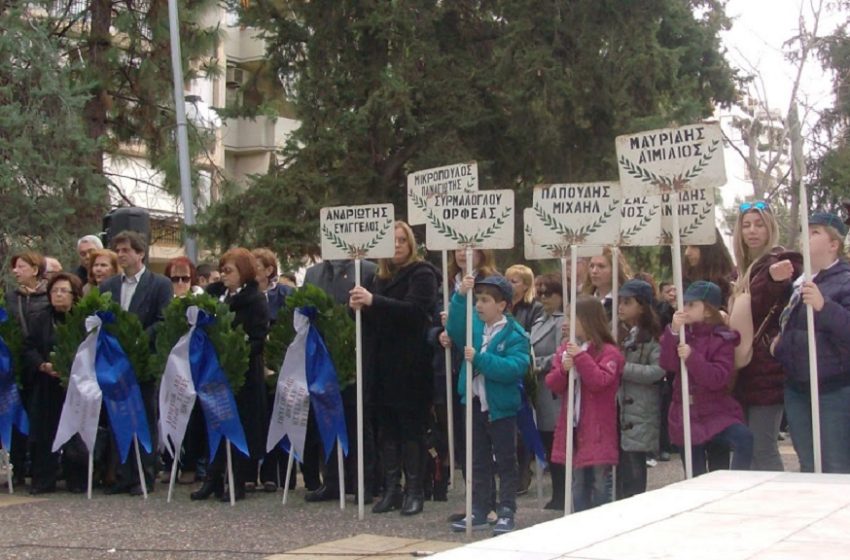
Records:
x=263, y=134
x=242, y=45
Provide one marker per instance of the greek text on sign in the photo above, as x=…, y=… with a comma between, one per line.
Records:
x=425, y=184
x=645, y=222
x=476, y=220
x=541, y=243
x=579, y=213
x=657, y=161
x=357, y=232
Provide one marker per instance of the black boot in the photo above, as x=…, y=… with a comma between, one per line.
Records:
x=213, y=484
x=391, y=498
x=414, y=468
x=558, y=473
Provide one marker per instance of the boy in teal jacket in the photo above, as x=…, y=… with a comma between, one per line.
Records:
x=500, y=357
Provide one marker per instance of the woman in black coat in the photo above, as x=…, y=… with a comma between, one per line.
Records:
x=48, y=396
x=397, y=309
x=239, y=290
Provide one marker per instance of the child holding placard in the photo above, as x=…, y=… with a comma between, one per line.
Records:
x=709, y=354
x=599, y=365
x=500, y=357
x=640, y=393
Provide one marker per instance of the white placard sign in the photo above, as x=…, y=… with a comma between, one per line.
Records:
x=656, y=161
x=580, y=213
x=357, y=232
x=540, y=242
x=644, y=222
x=477, y=220
x=427, y=183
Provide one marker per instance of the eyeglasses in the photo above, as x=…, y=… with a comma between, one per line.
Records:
x=184, y=279
x=760, y=205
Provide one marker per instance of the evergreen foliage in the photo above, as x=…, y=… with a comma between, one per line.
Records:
x=533, y=92
x=126, y=328
x=334, y=324
x=230, y=344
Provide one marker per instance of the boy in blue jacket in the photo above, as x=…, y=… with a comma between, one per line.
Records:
x=500, y=357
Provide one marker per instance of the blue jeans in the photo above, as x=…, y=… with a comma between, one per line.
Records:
x=591, y=487
x=736, y=437
x=834, y=428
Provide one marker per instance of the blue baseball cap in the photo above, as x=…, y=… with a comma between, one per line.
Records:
x=637, y=289
x=702, y=290
x=501, y=283
x=829, y=219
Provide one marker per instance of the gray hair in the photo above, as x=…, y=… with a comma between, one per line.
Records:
x=93, y=239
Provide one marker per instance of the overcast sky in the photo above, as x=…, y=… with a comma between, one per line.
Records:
x=755, y=45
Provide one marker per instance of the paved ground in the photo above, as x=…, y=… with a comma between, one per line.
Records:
x=68, y=527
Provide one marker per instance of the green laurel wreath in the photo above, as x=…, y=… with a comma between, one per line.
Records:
x=333, y=322
x=667, y=235
x=356, y=251
x=229, y=342
x=670, y=183
x=555, y=251
x=11, y=334
x=577, y=236
x=471, y=241
x=627, y=234
x=127, y=329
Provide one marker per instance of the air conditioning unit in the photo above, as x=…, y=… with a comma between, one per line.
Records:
x=234, y=77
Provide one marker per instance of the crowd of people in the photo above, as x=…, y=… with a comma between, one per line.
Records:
x=745, y=349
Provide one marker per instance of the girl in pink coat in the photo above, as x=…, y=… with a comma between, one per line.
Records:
x=709, y=354
x=599, y=367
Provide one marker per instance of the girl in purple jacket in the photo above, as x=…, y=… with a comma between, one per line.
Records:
x=709, y=354
x=599, y=365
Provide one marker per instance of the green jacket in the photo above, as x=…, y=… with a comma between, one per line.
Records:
x=503, y=365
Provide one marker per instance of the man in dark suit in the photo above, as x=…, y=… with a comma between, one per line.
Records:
x=337, y=279
x=145, y=294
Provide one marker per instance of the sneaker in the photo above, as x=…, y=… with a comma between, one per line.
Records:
x=664, y=456
x=479, y=522
x=505, y=524
x=651, y=463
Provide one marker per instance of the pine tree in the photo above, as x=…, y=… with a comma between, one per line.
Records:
x=44, y=150
x=532, y=91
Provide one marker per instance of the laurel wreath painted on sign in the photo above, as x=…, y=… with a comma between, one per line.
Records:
x=667, y=184
x=465, y=241
x=356, y=251
x=127, y=329
x=229, y=343
x=667, y=235
x=627, y=234
x=555, y=251
x=569, y=235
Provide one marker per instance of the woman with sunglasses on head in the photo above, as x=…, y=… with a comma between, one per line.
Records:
x=765, y=274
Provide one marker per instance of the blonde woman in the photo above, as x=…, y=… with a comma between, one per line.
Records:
x=525, y=308
x=765, y=272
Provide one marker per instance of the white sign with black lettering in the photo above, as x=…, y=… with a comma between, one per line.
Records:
x=580, y=213
x=357, y=232
x=477, y=220
x=542, y=243
x=428, y=183
x=645, y=222
x=657, y=161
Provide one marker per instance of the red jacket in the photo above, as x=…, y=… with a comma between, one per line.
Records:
x=596, y=438
x=710, y=366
